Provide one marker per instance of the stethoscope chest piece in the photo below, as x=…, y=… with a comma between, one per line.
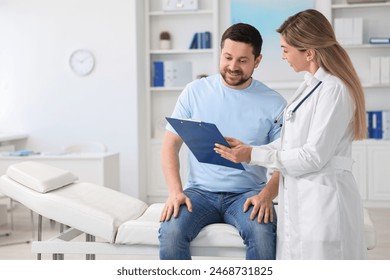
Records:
x=289, y=115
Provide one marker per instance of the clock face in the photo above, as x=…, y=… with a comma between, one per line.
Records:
x=82, y=62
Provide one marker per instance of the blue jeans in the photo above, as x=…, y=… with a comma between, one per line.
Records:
x=176, y=234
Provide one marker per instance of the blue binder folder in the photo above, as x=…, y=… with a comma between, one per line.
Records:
x=200, y=137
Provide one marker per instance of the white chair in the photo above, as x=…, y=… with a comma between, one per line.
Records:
x=86, y=147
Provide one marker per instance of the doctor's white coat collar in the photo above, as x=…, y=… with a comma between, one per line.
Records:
x=309, y=82
x=319, y=75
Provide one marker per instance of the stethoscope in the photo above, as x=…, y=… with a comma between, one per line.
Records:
x=290, y=113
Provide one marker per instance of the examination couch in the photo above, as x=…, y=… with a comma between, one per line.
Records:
x=99, y=220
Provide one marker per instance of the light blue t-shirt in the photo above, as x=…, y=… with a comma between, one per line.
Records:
x=247, y=115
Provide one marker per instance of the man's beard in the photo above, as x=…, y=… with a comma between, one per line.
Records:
x=239, y=82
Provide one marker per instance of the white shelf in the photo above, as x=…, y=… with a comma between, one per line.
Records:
x=184, y=51
x=166, y=89
x=363, y=5
x=367, y=85
x=186, y=13
x=367, y=46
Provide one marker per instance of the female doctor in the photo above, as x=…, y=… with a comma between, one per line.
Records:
x=320, y=212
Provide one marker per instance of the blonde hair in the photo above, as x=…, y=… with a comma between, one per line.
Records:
x=310, y=29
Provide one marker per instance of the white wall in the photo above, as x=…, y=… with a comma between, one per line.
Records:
x=39, y=94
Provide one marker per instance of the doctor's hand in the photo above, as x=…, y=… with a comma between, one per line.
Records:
x=262, y=207
x=172, y=206
x=233, y=142
x=236, y=154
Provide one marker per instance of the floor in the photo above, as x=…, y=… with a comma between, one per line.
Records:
x=17, y=245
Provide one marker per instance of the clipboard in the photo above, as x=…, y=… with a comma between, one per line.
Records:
x=200, y=137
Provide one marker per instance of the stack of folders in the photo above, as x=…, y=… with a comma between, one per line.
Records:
x=349, y=31
x=379, y=124
x=201, y=40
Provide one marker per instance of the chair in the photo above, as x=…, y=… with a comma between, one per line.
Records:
x=86, y=147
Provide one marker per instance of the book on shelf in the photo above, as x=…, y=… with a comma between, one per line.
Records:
x=200, y=137
x=379, y=40
x=201, y=40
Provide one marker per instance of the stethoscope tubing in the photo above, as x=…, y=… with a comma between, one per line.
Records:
x=292, y=112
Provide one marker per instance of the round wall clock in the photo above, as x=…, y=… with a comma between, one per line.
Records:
x=82, y=62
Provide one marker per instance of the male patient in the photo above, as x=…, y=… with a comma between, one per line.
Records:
x=242, y=108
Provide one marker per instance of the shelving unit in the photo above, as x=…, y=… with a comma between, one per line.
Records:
x=160, y=101
x=376, y=21
x=371, y=156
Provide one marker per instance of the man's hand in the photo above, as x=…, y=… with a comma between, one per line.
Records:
x=262, y=207
x=172, y=206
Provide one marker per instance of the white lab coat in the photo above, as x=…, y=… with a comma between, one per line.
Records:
x=320, y=213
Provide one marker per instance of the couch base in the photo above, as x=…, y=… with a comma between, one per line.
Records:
x=69, y=242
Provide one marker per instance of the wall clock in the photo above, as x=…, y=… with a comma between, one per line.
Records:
x=82, y=62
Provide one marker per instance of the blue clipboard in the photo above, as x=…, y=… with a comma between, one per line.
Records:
x=200, y=137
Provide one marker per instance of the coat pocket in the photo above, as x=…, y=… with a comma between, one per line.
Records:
x=318, y=211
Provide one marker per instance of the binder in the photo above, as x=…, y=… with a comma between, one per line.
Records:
x=375, y=70
x=177, y=73
x=194, y=41
x=199, y=40
x=386, y=124
x=385, y=70
x=206, y=43
x=158, y=74
x=378, y=124
x=200, y=137
x=171, y=73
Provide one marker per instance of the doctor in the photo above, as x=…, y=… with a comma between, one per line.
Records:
x=320, y=212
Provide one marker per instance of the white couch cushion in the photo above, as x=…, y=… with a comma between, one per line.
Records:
x=40, y=177
x=87, y=207
x=144, y=230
